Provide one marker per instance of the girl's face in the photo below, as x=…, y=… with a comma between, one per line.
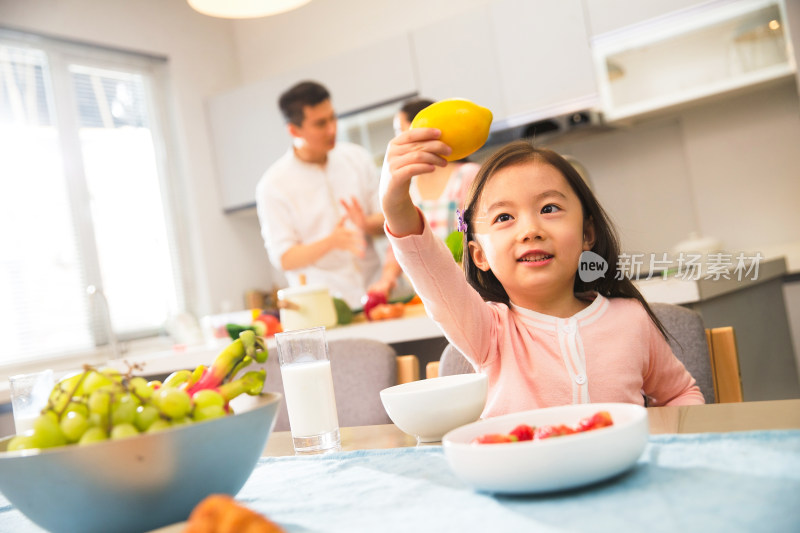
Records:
x=529, y=231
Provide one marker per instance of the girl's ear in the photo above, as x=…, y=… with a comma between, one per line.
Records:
x=477, y=255
x=588, y=234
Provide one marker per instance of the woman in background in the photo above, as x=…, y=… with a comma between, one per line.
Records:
x=437, y=194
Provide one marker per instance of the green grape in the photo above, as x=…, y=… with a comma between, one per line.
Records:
x=173, y=403
x=73, y=425
x=47, y=433
x=77, y=405
x=159, y=425
x=49, y=413
x=155, y=384
x=99, y=402
x=208, y=412
x=98, y=420
x=207, y=397
x=94, y=381
x=93, y=434
x=145, y=416
x=124, y=410
x=140, y=388
x=123, y=431
x=21, y=442
x=112, y=373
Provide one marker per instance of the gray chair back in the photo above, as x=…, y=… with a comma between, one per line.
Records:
x=689, y=343
x=687, y=340
x=361, y=368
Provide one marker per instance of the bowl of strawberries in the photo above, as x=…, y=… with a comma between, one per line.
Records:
x=549, y=449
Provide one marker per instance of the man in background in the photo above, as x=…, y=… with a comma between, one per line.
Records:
x=318, y=204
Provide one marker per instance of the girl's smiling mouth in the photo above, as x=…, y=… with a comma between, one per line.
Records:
x=535, y=257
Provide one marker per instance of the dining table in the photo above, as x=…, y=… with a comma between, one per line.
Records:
x=720, y=467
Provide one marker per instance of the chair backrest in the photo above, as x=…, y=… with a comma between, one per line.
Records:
x=687, y=338
x=725, y=364
x=689, y=345
x=361, y=368
x=453, y=362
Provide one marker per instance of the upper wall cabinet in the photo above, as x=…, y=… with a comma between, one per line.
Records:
x=691, y=55
x=459, y=61
x=605, y=16
x=248, y=134
x=544, y=60
x=248, y=131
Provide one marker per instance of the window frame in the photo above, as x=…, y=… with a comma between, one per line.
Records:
x=60, y=54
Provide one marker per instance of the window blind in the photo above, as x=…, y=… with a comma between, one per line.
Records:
x=86, y=200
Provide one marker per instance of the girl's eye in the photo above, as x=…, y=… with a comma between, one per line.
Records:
x=504, y=217
x=550, y=208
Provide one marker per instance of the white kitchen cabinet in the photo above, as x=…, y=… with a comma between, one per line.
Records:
x=457, y=59
x=692, y=55
x=544, y=60
x=604, y=16
x=249, y=133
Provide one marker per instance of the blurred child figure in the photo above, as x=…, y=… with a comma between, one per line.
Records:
x=523, y=316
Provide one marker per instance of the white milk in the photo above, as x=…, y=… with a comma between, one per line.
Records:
x=308, y=387
x=24, y=423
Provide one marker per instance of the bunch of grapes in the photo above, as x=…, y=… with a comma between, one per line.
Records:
x=99, y=404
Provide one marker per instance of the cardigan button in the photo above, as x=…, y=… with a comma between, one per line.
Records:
x=580, y=379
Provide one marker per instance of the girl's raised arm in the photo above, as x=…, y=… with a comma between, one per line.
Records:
x=414, y=152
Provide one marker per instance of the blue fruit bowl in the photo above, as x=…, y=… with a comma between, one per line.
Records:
x=139, y=483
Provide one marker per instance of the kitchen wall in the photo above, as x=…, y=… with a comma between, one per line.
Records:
x=728, y=168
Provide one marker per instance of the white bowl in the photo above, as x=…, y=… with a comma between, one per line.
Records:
x=429, y=408
x=557, y=463
x=139, y=483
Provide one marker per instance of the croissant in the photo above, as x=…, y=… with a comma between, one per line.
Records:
x=219, y=513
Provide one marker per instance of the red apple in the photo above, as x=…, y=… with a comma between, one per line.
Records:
x=370, y=300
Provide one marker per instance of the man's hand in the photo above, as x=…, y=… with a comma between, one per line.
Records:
x=355, y=213
x=343, y=238
x=369, y=224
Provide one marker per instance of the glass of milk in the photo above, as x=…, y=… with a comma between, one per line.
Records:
x=308, y=388
x=29, y=395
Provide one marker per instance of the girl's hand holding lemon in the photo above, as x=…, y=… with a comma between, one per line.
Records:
x=444, y=131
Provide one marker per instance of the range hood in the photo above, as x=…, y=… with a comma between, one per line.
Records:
x=577, y=123
x=567, y=120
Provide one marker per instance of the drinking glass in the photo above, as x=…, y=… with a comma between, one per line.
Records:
x=308, y=387
x=29, y=395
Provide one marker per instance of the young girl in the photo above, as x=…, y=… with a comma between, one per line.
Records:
x=523, y=317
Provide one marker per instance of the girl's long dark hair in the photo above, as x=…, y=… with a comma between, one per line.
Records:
x=606, y=242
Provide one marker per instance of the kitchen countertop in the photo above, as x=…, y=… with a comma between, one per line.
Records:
x=415, y=324
x=675, y=290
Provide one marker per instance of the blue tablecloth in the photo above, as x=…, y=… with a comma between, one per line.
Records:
x=746, y=481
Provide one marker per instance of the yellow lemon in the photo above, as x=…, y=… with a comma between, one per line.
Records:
x=464, y=125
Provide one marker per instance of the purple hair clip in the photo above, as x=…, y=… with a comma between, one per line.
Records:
x=462, y=226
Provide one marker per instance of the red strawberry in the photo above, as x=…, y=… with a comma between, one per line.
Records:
x=523, y=432
x=494, y=438
x=600, y=419
x=545, y=432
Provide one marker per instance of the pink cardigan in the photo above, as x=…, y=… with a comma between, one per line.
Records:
x=609, y=352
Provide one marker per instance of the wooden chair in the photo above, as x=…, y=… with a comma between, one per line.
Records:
x=710, y=355
x=724, y=364
x=407, y=368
